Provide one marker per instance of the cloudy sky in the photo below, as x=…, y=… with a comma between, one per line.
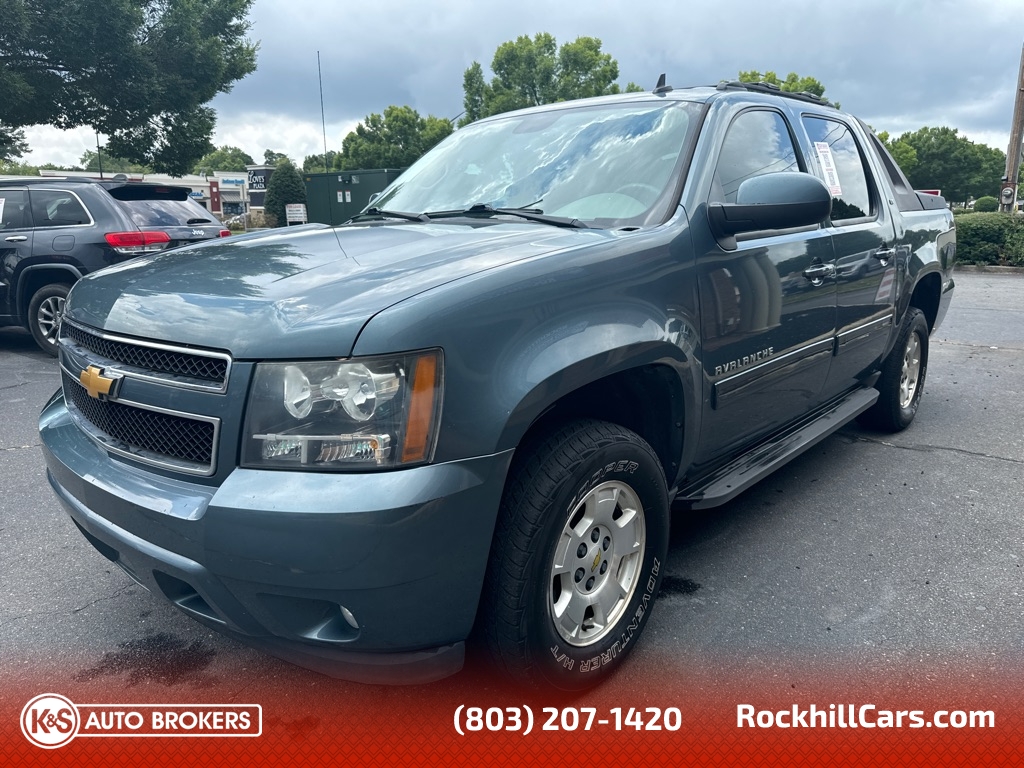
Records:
x=898, y=64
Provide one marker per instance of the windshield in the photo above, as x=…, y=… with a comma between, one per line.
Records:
x=610, y=165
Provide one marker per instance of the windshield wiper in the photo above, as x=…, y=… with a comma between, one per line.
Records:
x=483, y=209
x=378, y=212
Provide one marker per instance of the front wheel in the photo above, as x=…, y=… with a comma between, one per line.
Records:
x=902, y=381
x=577, y=556
x=44, y=312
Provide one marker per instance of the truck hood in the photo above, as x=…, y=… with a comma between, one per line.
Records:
x=297, y=294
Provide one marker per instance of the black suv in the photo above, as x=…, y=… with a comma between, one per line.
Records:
x=54, y=230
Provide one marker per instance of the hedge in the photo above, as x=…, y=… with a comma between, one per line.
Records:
x=990, y=238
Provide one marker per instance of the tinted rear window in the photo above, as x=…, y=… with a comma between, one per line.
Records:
x=152, y=206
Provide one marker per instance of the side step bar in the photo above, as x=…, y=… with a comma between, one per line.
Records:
x=750, y=468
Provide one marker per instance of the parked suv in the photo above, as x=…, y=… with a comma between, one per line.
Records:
x=54, y=230
x=472, y=406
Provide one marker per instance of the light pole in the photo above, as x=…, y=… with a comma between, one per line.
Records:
x=1008, y=193
x=99, y=155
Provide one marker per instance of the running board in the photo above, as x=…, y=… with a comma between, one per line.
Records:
x=750, y=468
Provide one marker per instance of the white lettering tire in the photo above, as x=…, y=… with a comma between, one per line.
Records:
x=577, y=556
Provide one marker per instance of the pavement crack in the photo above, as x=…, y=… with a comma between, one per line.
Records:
x=41, y=614
x=21, y=447
x=117, y=593
x=934, y=448
x=1001, y=346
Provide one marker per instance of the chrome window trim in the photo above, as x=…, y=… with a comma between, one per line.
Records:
x=81, y=202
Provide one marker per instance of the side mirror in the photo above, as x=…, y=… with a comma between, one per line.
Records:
x=373, y=197
x=771, y=201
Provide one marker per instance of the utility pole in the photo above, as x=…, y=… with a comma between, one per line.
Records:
x=1008, y=192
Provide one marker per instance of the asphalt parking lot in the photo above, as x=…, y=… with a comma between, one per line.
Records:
x=901, y=553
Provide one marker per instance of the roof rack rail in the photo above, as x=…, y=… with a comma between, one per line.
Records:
x=762, y=87
x=45, y=179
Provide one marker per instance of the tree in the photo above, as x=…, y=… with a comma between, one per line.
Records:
x=902, y=152
x=392, y=140
x=223, y=158
x=793, y=83
x=954, y=164
x=284, y=188
x=90, y=161
x=316, y=164
x=270, y=157
x=138, y=71
x=529, y=72
x=12, y=144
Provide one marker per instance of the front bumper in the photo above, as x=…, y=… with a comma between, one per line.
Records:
x=372, y=577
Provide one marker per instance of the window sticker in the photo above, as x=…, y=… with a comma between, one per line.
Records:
x=828, y=167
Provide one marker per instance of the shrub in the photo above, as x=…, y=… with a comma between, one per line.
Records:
x=986, y=204
x=284, y=187
x=990, y=238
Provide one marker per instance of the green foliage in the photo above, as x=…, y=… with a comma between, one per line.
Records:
x=26, y=169
x=285, y=187
x=316, y=164
x=986, y=204
x=90, y=161
x=902, y=152
x=529, y=72
x=138, y=71
x=990, y=238
x=793, y=83
x=953, y=163
x=12, y=143
x=270, y=157
x=392, y=140
x=223, y=159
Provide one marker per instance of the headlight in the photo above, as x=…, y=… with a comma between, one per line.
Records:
x=365, y=413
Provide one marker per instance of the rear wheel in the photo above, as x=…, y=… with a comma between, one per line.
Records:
x=903, y=373
x=44, y=313
x=577, y=555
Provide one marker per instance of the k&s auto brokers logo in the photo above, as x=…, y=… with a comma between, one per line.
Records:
x=51, y=720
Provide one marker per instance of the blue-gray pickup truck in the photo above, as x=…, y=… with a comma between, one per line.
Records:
x=467, y=412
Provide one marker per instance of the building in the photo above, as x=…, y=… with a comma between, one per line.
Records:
x=225, y=193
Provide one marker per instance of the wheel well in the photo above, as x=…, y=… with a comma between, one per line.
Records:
x=36, y=279
x=926, y=297
x=646, y=400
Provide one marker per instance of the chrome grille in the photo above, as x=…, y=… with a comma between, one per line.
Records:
x=147, y=434
x=210, y=367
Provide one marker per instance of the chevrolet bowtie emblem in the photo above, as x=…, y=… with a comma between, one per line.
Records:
x=96, y=384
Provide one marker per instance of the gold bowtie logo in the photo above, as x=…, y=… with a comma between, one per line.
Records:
x=95, y=382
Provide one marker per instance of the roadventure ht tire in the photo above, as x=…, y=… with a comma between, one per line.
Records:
x=903, y=373
x=577, y=556
x=44, y=313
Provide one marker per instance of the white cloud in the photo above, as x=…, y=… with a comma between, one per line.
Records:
x=900, y=64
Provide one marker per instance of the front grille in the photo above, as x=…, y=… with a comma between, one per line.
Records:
x=150, y=434
x=157, y=360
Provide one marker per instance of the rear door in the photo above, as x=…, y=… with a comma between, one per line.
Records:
x=167, y=209
x=863, y=235
x=15, y=245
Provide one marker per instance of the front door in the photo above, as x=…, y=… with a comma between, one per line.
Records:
x=768, y=308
